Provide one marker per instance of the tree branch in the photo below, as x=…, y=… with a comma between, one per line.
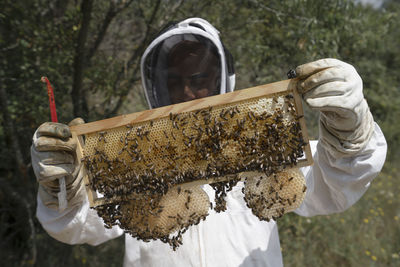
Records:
x=138, y=52
x=125, y=5
x=112, y=12
x=279, y=13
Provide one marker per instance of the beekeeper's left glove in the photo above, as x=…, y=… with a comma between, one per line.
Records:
x=335, y=89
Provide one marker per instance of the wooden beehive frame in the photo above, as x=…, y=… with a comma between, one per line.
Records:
x=281, y=87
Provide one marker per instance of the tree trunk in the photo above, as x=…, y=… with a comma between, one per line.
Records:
x=78, y=96
x=11, y=134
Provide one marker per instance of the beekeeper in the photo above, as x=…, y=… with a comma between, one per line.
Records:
x=188, y=61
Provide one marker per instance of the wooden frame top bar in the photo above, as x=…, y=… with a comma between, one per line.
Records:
x=236, y=96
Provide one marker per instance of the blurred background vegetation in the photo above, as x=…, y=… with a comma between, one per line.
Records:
x=90, y=51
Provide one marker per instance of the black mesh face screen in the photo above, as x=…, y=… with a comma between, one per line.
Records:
x=184, y=47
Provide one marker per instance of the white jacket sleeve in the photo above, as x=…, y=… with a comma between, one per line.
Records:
x=335, y=184
x=75, y=225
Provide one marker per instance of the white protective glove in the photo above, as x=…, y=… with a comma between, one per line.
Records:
x=335, y=88
x=53, y=153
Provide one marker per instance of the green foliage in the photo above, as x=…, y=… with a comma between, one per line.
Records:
x=364, y=235
x=266, y=38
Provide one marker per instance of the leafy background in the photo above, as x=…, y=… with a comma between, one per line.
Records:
x=90, y=50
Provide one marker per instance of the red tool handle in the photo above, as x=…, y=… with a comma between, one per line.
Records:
x=62, y=195
x=52, y=102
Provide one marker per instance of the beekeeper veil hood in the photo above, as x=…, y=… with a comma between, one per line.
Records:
x=192, y=38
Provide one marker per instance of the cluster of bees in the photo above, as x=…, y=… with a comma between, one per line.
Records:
x=149, y=174
x=152, y=217
x=270, y=197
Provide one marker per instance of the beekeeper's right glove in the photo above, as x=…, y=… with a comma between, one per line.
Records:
x=53, y=157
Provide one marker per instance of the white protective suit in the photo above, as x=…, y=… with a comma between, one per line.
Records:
x=235, y=237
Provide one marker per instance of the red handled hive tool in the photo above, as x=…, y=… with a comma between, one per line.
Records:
x=62, y=195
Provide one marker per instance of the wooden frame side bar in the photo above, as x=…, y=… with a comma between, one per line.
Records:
x=79, y=153
x=302, y=121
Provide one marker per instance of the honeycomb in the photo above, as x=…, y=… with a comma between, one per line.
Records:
x=146, y=176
